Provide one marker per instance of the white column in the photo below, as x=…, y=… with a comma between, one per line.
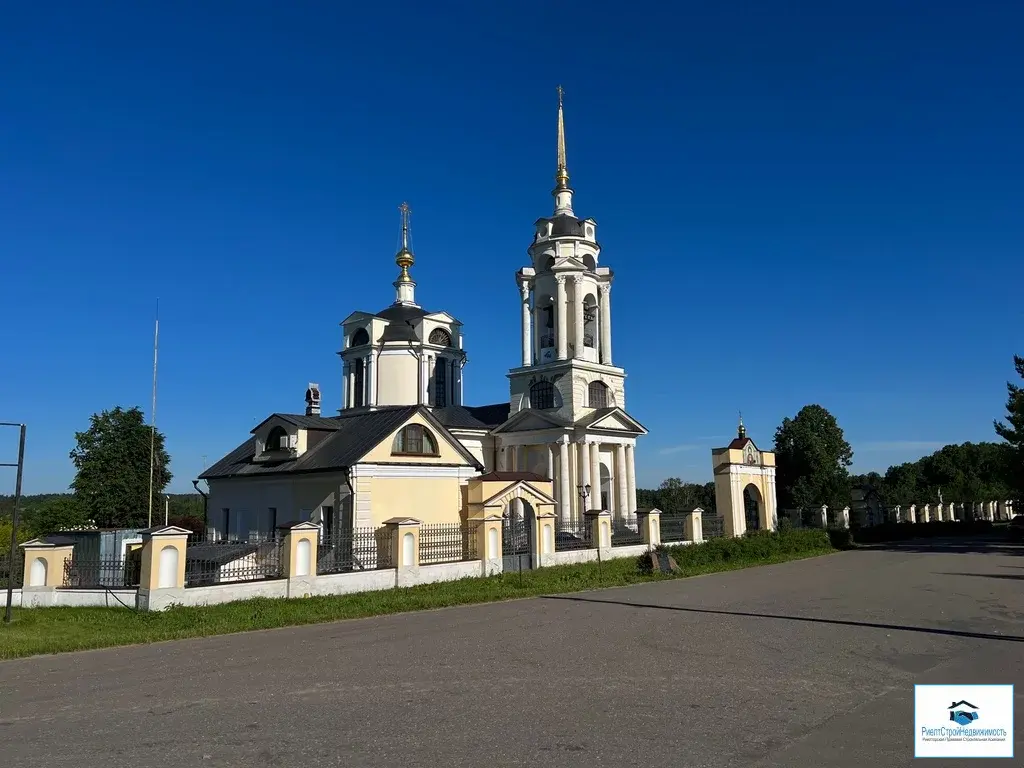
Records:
x=584, y=452
x=561, y=324
x=595, y=476
x=630, y=481
x=502, y=459
x=621, y=482
x=551, y=466
x=453, y=364
x=564, y=491
x=423, y=378
x=368, y=380
x=577, y=298
x=606, y=323
x=344, y=385
x=524, y=292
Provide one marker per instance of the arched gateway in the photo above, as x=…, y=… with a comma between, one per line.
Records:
x=524, y=503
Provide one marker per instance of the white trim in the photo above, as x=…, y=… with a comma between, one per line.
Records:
x=408, y=471
x=126, y=542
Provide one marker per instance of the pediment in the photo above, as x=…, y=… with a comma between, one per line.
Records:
x=567, y=263
x=521, y=489
x=618, y=420
x=357, y=317
x=530, y=420
x=443, y=317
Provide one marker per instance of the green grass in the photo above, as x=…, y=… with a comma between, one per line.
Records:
x=56, y=630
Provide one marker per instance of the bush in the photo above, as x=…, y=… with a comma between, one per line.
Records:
x=841, y=538
x=750, y=549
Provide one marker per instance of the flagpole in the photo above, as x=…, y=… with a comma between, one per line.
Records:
x=152, y=413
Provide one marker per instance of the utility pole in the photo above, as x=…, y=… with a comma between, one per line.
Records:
x=14, y=519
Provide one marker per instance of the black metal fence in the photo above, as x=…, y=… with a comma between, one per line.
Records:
x=6, y=569
x=712, y=525
x=358, y=549
x=673, y=527
x=209, y=563
x=97, y=573
x=626, y=532
x=447, y=543
x=573, y=535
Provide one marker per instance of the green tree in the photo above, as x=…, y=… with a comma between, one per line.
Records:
x=1013, y=430
x=112, y=459
x=812, y=458
x=59, y=513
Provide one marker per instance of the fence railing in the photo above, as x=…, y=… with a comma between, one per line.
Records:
x=573, y=535
x=626, y=532
x=673, y=527
x=712, y=525
x=209, y=563
x=17, y=571
x=447, y=543
x=358, y=549
x=96, y=573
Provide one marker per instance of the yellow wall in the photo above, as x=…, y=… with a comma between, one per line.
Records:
x=398, y=376
x=427, y=499
x=448, y=453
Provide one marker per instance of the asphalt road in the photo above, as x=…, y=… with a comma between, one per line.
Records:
x=810, y=663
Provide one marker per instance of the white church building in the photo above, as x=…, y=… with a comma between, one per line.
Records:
x=403, y=442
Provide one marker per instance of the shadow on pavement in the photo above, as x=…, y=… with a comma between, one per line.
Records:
x=982, y=545
x=808, y=619
x=1011, y=576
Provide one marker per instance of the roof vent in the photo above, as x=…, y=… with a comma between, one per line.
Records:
x=313, y=399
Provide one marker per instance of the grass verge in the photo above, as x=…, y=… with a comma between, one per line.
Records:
x=57, y=630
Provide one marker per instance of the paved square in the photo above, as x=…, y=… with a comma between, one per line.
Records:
x=810, y=663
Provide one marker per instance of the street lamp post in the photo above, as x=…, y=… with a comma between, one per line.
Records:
x=14, y=519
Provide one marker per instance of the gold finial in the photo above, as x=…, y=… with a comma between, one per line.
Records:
x=742, y=429
x=404, y=258
x=562, y=174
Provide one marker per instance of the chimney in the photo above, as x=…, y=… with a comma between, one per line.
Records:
x=313, y=399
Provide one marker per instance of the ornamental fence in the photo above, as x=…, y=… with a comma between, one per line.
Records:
x=100, y=573
x=448, y=543
x=626, y=532
x=573, y=535
x=358, y=549
x=222, y=562
x=7, y=570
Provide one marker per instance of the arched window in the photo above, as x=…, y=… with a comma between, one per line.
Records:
x=360, y=337
x=276, y=439
x=359, y=377
x=440, y=336
x=415, y=440
x=441, y=382
x=542, y=395
x=597, y=394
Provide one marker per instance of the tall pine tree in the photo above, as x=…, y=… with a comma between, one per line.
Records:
x=1013, y=431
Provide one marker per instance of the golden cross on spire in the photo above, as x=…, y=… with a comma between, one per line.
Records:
x=561, y=93
x=406, y=210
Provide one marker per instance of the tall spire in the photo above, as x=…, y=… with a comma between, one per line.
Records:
x=562, y=192
x=405, y=287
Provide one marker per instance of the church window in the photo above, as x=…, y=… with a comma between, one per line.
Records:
x=276, y=440
x=542, y=395
x=414, y=440
x=360, y=337
x=359, y=378
x=441, y=382
x=597, y=394
x=440, y=336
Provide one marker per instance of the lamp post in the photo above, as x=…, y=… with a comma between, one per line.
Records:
x=14, y=518
x=584, y=492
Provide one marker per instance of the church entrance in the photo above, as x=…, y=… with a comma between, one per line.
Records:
x=517, y=532
x=752, y=507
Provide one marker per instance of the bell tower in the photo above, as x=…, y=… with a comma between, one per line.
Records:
x=565, y=296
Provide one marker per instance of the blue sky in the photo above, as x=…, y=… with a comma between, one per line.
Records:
x=802, y=202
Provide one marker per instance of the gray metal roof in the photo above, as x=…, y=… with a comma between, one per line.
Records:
x=303, y=421
x=353, y=436
x=472, y=417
